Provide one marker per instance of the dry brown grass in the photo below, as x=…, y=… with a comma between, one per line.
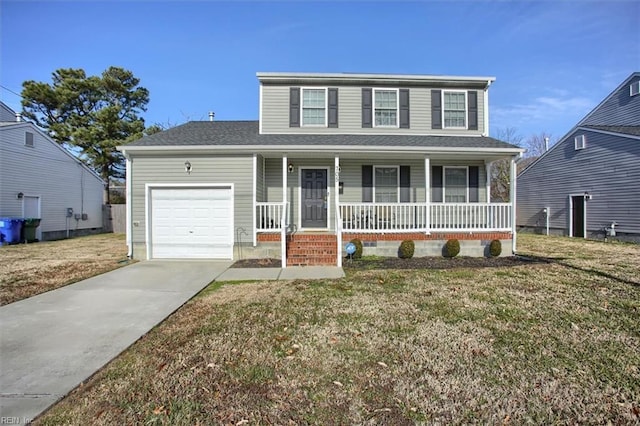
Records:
x=30, y=269
x=544, y=344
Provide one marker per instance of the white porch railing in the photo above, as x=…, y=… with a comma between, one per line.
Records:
x=471, y=217
x=269, y=216
x=363, y=217
x=412, y=217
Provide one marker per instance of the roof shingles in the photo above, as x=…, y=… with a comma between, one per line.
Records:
x=246, y=133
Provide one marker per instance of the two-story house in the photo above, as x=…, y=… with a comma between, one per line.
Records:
x=333, y=157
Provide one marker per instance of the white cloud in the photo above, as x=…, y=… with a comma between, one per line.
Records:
x=543, y=112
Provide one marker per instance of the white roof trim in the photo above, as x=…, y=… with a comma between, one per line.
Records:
x=277, y=76
x=606, y=132
x=319, y=148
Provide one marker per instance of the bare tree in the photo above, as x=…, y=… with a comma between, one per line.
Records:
x=537, y=145
x=500, y=170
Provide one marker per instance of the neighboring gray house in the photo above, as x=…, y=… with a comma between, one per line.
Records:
x=39, y=178
x=588, y=184
x=333, y=157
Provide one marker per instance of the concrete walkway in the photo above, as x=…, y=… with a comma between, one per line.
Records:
x=52, y=342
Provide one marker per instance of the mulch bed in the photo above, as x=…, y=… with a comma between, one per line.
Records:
x=413, y=263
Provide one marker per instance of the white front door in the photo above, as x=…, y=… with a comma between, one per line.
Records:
x=191, y=223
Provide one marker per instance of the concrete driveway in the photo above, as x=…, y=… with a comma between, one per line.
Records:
x=52, y=342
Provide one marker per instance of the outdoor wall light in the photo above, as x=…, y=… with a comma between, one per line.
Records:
x=187, y=167
x=20, y=195
x=290, y=168
x=587, y=196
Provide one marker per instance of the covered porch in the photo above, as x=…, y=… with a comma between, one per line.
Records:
x=380, y=195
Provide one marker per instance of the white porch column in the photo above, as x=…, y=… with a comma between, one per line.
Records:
x=487, y=167
x=427, y=193
x=338, y=219
x=283, y=230
x=255, y=192
x=512, y=191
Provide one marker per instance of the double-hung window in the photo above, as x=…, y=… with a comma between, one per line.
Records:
x=386, y=183
x=455, y=184
x=455, y=110
x=314, y=107
x=385, y=107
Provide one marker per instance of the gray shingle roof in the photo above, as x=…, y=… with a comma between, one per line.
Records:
x=245, y=133
x=627, y=130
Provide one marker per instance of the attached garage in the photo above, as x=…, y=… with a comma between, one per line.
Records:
x=190, y=222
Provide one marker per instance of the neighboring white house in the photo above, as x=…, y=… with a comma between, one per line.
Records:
x=39, y=178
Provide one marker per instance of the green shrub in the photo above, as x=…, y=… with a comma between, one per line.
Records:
x=452, y=248
x=495, y=248
x=406, y=250
x=358, y=252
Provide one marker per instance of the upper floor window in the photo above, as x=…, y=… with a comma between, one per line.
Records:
x=385, y=107
x=28, y=139
x=634, y=89
x=455, y=109
x=580, y=142
x=314, y=107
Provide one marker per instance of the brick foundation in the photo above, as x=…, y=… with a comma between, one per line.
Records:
x=420, y=236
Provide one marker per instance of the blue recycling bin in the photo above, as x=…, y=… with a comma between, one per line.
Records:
x=10, y=230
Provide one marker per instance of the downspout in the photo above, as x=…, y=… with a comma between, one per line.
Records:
x=513, y=203
x=129, y=210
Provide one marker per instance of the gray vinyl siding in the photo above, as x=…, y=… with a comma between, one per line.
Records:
x=608, y=169
x=207, y=169
x=260, y=186
x=351, y=176
x=47, y=171
x=621, y=109
x=275, y=113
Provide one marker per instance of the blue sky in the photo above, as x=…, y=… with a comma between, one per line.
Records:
x=553, y=60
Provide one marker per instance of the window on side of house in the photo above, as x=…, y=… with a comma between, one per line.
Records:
x=454, y=110
x=385, y=112
x=580, y=142
x=634, y=88
x=386, y=181
x=455, y=185
x=314, y=107
x=28, y=139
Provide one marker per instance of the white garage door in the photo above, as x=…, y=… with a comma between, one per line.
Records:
x=192, y=223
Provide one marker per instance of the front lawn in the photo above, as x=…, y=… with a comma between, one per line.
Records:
x=549, y=342
x=30, y=269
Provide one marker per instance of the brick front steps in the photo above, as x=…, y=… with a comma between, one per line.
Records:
x=311, y=249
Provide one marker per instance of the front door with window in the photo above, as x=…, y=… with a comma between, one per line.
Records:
x=313, y=184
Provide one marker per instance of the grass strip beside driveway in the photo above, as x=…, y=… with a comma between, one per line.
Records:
x=30, y=269
x=542, y=343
